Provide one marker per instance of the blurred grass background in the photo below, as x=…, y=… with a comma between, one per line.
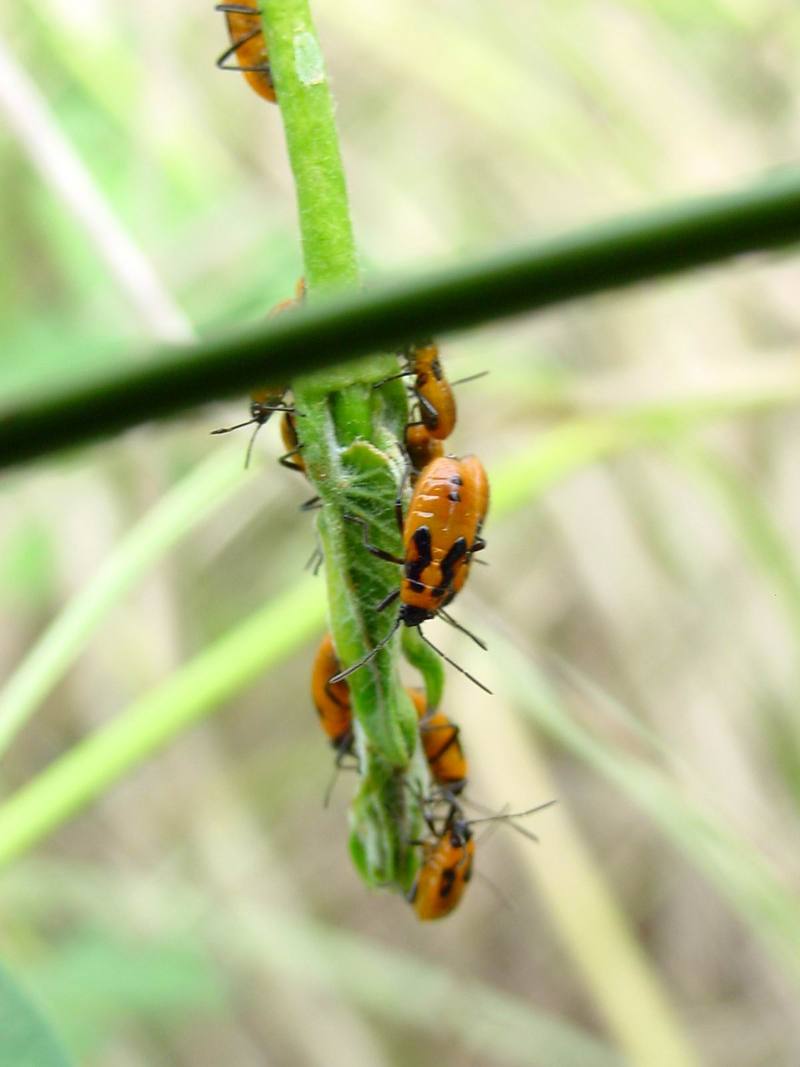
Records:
x=643, y=600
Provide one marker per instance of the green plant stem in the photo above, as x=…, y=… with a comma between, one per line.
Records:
x=595, y=259
x=298, y=69
x=348, y=432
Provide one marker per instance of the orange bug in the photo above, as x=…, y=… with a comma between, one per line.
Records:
x=292, y=458
x=439, y=735
x=263, y=402
x=437, y=405
x=435, y=399
x=421, y=448
x=445, y=872
x=266, y=399
x=447, y=862
x=332, y=699
x=441, y=533
x=441, y=744
x=249, y=46
x=422, y=444
x=292, y=302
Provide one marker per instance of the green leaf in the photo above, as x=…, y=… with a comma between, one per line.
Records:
x=96, y=980
x=26, y=1040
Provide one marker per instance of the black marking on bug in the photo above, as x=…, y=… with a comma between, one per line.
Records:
x=335, y=698
x=448, y=743
x=423, y=543
x=448, y=881
x=457, y=551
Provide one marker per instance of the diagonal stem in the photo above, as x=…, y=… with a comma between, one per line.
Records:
x=599, y=258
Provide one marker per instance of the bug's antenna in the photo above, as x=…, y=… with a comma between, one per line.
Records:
x=369, y=656
x=315, y=561
x=330, y=786
x=457, y=625
x=516, y=815
x=394, y=377
x=470, y=378
x=453, y=663
x=252, y=442
x=342, y=750
x=238, y=426
x=261, y=418
x=495, y=888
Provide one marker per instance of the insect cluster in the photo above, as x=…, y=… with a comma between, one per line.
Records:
x=441, y=529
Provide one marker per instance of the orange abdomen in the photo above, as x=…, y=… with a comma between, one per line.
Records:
x=443, y=877
x=332, y=700
x=441, y=531
x=443, y=751
x=441, y=744
x=421, y=448
x=247, y=34
x=292, y=445
x=437, y=405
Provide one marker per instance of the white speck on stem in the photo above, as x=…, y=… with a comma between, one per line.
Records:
x=308, y=59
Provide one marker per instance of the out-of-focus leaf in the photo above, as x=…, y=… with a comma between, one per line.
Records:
x=26, y=1040
x=26, y=564
x=98, y=981
x=741, y=874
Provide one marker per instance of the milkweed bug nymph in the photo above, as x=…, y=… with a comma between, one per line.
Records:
x=435, y=401
x=421, y=448
x=263, y=402
x=267, y=399
x=446, y=870
x=447, y=861
x=440, y=738
x=249, y=46
x=332, y=699
x=441, y=533
x=431, y=388
x=437, y=406
x=292, y=458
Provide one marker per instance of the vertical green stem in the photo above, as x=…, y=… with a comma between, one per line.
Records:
x=301, y=82
x=348, y=430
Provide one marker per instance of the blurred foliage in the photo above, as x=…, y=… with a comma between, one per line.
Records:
x=25, y=1039
x=205, y=908
x=162, y=982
